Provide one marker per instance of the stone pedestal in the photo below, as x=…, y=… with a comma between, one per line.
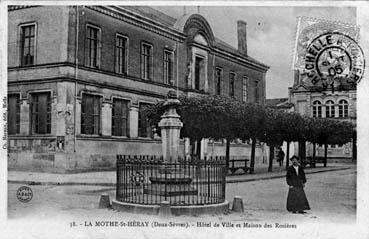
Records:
x=170, y=180
x=170, y=126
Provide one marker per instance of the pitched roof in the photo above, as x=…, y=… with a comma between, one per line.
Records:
x=153, y=14
x=278, y=103
x=225, y=46
x=178, y=24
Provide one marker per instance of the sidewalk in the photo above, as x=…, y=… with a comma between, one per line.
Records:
x=108, y=178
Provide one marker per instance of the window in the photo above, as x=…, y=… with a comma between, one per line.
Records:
x=317, y=109
x=120, y=117
x=198, y=71
x=13, y=114
x=90, y=114
x=244, y=88
x=256, y=93
x=121, y=54
x=144, y=128
x=218, y=80
x=342, y=109
x=41, y=113
x=232, y=77
x=329, y=109
x=146, y=61
x=168, y=67
x=93, y=46
x=27, y=45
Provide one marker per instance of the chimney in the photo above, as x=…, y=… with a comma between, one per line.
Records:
x=241, y=34
x=296, y=78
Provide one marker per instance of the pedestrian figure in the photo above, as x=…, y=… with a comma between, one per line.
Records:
x=280, y=156
x=296, y=199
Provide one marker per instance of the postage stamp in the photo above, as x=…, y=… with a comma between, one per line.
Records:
x=328, y=54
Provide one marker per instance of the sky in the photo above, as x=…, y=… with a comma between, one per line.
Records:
x=270, y=33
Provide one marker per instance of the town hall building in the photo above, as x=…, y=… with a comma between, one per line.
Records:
x=80, y=77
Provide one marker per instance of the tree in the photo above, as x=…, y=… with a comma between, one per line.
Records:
x=249, y=125
x=203, y=117
x=273, y=131
x=328, y=131
x=291, y=130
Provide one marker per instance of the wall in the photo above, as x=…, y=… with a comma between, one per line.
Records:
x=303, y=100
x=109, y=27
x=241, y=71
x=51, y=34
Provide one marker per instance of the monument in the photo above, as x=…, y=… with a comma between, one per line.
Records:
x=171, y=180
x=169, y=185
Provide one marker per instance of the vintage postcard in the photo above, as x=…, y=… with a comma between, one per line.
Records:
x=184, y=119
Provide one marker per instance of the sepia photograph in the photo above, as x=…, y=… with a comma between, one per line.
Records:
x=184, y=119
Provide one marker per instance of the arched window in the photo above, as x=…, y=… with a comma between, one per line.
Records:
x=329, y=109
x=343, y=109
x=317, y=109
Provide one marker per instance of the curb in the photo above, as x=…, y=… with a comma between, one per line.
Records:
x=190, y=210
x=280, y=176
x=114, y=184
x=61, y=183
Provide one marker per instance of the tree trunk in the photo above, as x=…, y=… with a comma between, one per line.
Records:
x=302, y=151
x=198, y=148
x=192, y=147
x=313, y=160
x=354, y=147
x=325, y=154
x=271, y=158
x=252, y=161
x=228, y=147
x=288, y=155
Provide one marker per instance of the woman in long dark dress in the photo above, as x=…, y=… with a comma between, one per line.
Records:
x=296, y=199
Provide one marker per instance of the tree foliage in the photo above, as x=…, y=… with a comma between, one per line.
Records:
x=220, y=117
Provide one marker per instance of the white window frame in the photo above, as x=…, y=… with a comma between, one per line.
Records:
x=315, y=109
x=19, y=51
x=329, y=109
x=150, y=75
x=245, y=80
x=216, y=80
x=98, y=53
x=341, y=107
x=126, y=53
x=165, y=73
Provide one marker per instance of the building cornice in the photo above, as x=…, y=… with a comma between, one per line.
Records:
x=18, y=7
x=325, y=92
x=82, y=67
x=139, y=21
x=240, y=60
x=231, y=57
x=158, y=28
x=97, y=84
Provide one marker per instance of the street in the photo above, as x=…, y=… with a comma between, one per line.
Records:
x=332, y=197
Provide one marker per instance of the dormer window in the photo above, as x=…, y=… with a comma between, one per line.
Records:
x=199, y=80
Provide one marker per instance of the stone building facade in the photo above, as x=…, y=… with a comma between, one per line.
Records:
x=80, y=77
x=338, y=103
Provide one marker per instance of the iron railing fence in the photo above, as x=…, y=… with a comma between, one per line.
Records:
x=149, y=180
